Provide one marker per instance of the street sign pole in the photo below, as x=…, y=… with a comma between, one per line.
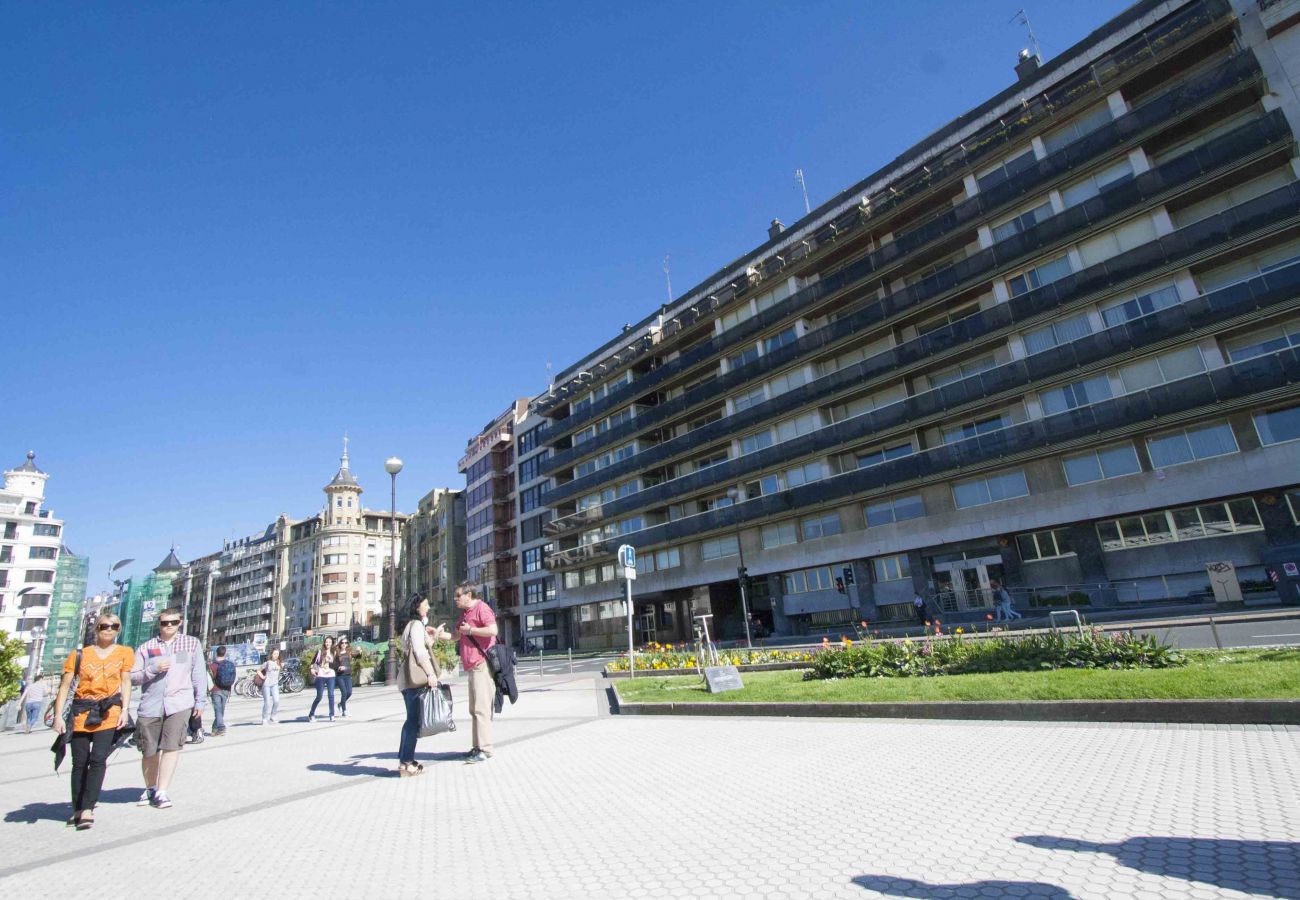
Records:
x=627, y=567
x=631, y=657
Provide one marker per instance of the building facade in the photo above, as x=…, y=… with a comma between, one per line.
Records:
x=333, y=563
x=244, y=592
x=433, y=552
x=65, y=629
x=1056, y=344
x=194, y=594
x=142, y=599
x=30, y=539
x=491, y=540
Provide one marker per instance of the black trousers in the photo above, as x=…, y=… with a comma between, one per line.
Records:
x=90, y=750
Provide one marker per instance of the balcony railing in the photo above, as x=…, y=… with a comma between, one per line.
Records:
x=1176, y=175
x=1127, y=130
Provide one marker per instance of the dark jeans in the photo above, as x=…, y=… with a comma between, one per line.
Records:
x=345, y=690
x=219, y=699
x=323, y=685
x=411, y=727
x=90, y=751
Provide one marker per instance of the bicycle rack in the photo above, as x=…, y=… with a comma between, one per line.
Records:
x=1051, y=619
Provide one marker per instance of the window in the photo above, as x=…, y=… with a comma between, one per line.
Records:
x=1080, y=393
x=754, y=442
x=804, y=580
x=805, y=474
x=533, y=559
x=713, y=459
x=898, y=509
x=1293, y=502
x=779, y=535
x=1097, y=465
x=990, y=489
x=607, y=572
x=1057, y=333
x=752, y=397
x=572, y=580
x=747, y=355
x=535, y=591
x=1044, y=545
x=1091, y=186
x=1087, y=122
x=962, y=370
x=531, y=468
x=1039, y=275
x=796, y=427
x=1267, y=340
x=336, y=559
x=820, y=526
x=670, y=558
x=1278, y=426
x=1122, y=238
x=1005, y=169
x=780, y=339
x=530, y=440
x=741, y=313
x=891, y=568
x=1022, y=222
x=787, y=382
x=706, y=419
x=717, y=548
x=1143, y=304
x=877, y=455
x=1155, y=370
x=767, y=484
x=39, y=577
x=42, y=552
x=1259, y=264
x=42, y=529
x=1187, y=523
x=953, y=433
x=1190, y=444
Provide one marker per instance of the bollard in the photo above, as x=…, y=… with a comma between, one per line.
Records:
x=540, y=673
x=1215, y=628
x=570, y=660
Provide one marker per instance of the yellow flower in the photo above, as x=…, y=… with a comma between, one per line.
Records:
x=959, y=629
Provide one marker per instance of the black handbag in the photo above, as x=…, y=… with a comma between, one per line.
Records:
x=60, y=746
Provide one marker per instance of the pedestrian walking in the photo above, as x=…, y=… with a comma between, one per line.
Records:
x=1004, y=610
x=343, y=674
x=196, y=733
x=477, y=630
x=918, y=602
x=270, y=674
x=322, y=672
x=223, y=673
x=32, y=701
x=102, y=697
x=419, y=670
x=174, y=685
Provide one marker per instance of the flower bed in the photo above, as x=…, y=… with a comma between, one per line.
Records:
x=956, y=655
x=667, y=656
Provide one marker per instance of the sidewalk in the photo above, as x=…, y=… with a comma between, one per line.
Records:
x=579, y=804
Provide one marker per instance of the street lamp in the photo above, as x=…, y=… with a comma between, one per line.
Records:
x=392, y=466
x=734, y=496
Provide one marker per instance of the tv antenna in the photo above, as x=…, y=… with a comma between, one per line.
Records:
x=669, y=277
x=803, y=185
x=1023, y=18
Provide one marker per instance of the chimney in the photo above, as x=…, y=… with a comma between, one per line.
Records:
x=1027, y=65
x=774, y=229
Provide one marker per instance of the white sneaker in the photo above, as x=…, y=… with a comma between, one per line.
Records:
x=264, y=721
x=146, y=799
x=311, y=718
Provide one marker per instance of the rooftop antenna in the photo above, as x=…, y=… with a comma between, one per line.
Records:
x=668, y=276
x=1023, y=18
x=550, y=377
x=803, y=185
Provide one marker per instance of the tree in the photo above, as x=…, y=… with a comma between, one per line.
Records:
x=10, y=674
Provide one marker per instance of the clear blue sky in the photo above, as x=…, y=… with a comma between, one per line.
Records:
x=231, y=232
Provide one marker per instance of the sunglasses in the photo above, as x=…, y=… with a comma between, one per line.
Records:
x=107, y=627
x=166, y=622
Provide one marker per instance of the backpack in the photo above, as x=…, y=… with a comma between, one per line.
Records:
x=225, y=677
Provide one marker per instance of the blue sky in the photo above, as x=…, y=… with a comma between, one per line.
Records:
x=231, y=232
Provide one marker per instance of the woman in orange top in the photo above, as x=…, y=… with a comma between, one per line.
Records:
x=103, y=695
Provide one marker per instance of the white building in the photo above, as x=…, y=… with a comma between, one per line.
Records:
x=29, y=551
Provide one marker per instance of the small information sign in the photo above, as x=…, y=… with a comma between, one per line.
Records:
x=722, y=678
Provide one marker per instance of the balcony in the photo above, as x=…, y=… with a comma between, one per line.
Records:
x=574, y=521
x=1177, y=175
x=576, y=556
x=1126, y=131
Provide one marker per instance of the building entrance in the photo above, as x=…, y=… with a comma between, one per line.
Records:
x=965, y=584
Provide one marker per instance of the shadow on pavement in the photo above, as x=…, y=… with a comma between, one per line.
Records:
x=60, y=812
x=984, y=890
x=1253, y=867
x=353, y=768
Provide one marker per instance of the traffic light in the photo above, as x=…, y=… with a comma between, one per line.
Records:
x=839, y=584
x=742, y=573
x=848, y=575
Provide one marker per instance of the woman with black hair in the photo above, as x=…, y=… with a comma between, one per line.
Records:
x=419, y=670
x=322, y=672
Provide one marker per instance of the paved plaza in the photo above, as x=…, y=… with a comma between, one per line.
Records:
x=581, y=804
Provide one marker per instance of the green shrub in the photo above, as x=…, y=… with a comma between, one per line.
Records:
x=10, y=674
x=958, y=656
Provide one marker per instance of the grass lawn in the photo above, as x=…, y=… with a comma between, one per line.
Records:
x=1210, y=674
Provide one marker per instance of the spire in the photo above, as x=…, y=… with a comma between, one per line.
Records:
x=171, y=564
x=344, y=478
x=29, y=465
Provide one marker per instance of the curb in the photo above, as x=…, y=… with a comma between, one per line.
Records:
x=1204, y=712
x=663, y=673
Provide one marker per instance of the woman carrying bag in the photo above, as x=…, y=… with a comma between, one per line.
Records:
x=322, y=672
x=343, y=674
x=419, y=669
x=103, y=693
x=270, y=683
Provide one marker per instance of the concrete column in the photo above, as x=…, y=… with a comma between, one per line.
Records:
x=781, y=624
x=1118, y=106
x=866, y=590
x=1087, y=547
x=971, y=185
x=1011, y=574
x=1279, y=529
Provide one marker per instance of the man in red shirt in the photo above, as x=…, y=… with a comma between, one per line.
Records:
x=477, y=631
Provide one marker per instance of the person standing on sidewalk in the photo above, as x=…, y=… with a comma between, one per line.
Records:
x=103, y=695
x=343, y=674
x=271, y=687
x=223, y=675
x=418, y=671
x=174, y=682
x=477, y=631
x=1004, y=609
x=322, y=672
x=32, y=701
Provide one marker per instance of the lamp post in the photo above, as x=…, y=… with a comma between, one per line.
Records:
x=36, y=632
x=392, y=466
x=734, y=496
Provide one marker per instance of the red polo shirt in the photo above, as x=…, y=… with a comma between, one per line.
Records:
x=479, y=615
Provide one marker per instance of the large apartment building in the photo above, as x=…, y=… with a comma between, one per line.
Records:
x=433, y=552
x=29, y=554
x=1055, y=344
